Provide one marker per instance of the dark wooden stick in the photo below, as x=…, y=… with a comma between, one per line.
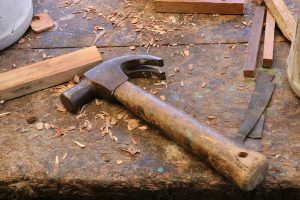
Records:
x=254, y=41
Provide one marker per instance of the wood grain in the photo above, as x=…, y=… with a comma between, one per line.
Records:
x=200, y=6
x=269, y=41
x=41, y=75
x=254, y=41
x=293, y=62
x=283, y=17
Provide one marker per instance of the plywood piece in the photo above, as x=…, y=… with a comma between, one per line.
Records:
x=41, y=22
x=51, y=72
x=269, y=41
x=200, y=6
x=283, y=17
x=254, y=41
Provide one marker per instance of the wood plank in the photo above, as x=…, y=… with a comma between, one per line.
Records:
x=51, y=72
x=269, y=41
x=200, y=6
x=254, y=41
x=293, y=62
x=283, y=17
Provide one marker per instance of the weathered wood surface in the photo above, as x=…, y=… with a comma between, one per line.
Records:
x=180, y=29
x=162, y=170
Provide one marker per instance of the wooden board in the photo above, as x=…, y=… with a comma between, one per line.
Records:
x=269, y=40
x=200, y=6
x=54, y=71
x=283, y=17
x=254, y=41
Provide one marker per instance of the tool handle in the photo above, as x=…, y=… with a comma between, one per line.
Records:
x=246, y=168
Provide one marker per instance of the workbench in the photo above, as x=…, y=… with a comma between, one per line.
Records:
x=47, y=164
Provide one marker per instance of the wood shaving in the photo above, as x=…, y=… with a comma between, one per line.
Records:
x=132, y=124
x=211, y=117
x=71, y=128
x=120, y=116
x=113, y=121
x=47, y=126
x=79, y=144
x=163, y=97
x=133, y=141
x=23, y=130
x=143, y=127
x=176, y=69
x=21, y=41
x=186, y=52
x=98, y=36
x=182, y=84
x=76, y=79
x=61, y=108
x=119, y=162
x=98, y=28
x=56, y=160
x=39, y=125
x=4, y=114
x=65, y=156
x=87, y=125
x=190, y=67
x=203, y=85
x=132, y=47
x=130, y=149
x=59, y=132
x=98, y=102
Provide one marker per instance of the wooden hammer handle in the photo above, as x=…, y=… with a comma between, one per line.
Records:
x=244, y=167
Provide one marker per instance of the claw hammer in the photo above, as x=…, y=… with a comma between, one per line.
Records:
x=245, y=168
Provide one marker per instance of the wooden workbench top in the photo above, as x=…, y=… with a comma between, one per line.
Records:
x=208, y=53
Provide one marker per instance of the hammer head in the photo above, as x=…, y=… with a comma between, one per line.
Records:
x=102, y=80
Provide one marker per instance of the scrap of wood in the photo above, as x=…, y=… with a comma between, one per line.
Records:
x=48, y=73
x=200, y=6
x=293, y=62
x=283, y=17
x=41, y=22
x=269, y=41
x=254, y=41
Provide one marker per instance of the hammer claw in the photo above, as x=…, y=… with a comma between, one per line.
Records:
x=145, y=72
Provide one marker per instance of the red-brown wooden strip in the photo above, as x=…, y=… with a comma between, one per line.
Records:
x=200, y=6
x=269, y=41
x=254, y=41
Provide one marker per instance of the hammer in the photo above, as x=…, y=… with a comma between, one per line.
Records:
x=245, y=168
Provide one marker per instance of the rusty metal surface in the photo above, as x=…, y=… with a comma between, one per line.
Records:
x=161, y=169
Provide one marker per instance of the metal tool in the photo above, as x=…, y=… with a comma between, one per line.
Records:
x=245, y=168
x=254, y=119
